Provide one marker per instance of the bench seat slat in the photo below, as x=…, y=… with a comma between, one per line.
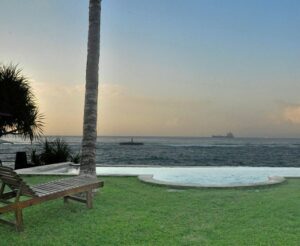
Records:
x=45, y=191
x=13, y=182
x=46, y=188
x=70, y=182
x=40, y=191
x=61, y=185
x=53, y=187
x=9, y=175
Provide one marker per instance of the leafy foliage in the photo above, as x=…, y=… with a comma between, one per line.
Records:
x=75, y=158
x=20, y=115
x=35, y=158
x=54, y=152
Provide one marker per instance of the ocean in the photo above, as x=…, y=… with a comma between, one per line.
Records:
x=178, y=151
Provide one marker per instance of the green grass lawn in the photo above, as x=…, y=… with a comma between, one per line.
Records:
x=128, y=212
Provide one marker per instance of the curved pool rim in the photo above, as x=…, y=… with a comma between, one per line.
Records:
x=272, y=180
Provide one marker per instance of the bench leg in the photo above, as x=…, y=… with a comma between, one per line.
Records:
x=89, y=199
x=19, y=219
x=84, y=197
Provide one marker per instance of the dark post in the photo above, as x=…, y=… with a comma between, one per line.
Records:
x=21, y=160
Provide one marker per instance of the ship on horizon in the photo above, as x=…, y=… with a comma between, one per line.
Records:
x=228, y=135
x=131, y=142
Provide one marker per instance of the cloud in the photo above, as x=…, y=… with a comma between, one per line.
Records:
x=285, y=114
x=291, y=113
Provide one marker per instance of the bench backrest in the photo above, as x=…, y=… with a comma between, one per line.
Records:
x=9, y=177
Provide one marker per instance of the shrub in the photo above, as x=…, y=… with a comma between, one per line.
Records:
x=20, y=114
x=53, y=152
x=35, y=158
x=75, y=158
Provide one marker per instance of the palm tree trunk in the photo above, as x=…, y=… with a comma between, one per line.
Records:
x=88, y=158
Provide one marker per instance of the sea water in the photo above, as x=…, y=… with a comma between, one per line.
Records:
x=171, y=151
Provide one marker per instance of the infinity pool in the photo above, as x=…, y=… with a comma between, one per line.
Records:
x=199, y=176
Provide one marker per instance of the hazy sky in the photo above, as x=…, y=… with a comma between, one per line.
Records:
x=168, y=67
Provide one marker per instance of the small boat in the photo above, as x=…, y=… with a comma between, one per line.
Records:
x=131, y=143
x=228, y=135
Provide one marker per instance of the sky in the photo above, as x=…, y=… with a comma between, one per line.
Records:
x=167, y=67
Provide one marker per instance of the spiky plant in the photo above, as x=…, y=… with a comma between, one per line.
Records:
x=19, y=114
x=55, y=151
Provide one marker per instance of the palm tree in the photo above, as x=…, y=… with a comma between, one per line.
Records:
x=19, y=113
x=88, y=156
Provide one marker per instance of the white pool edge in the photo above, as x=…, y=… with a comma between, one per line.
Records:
x=48, y=170
x=272, y=180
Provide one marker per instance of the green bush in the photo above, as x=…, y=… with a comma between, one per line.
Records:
x=35, y=158
x=54, y=152
x=75, y=158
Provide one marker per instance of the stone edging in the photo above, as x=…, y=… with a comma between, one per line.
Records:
x=149, y=179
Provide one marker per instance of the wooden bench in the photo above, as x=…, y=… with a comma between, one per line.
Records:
x=63, y=188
